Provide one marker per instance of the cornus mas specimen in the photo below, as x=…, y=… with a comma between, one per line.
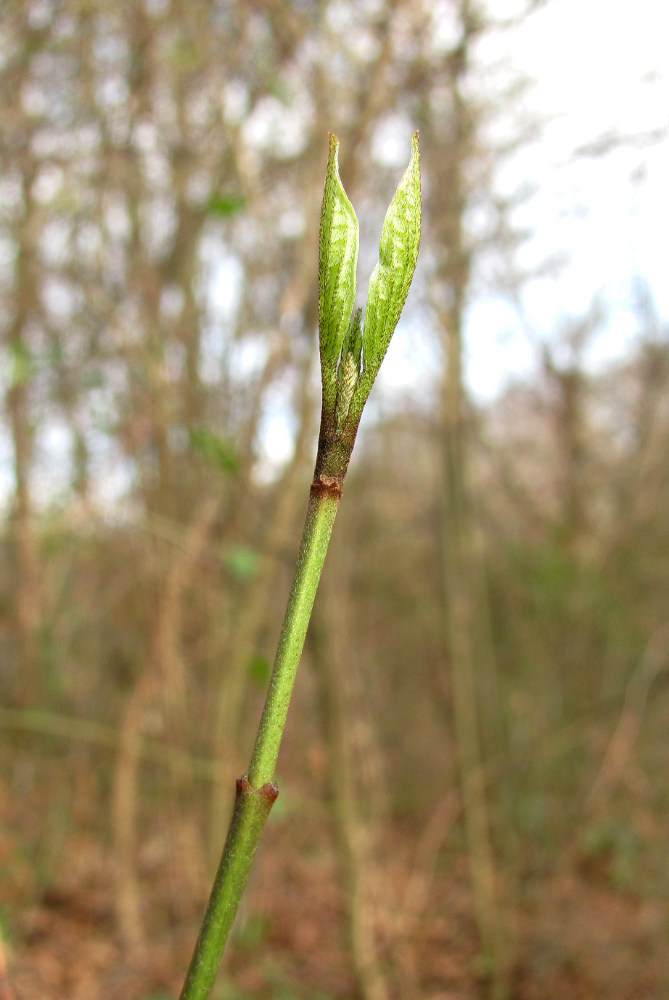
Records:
x=351, y=352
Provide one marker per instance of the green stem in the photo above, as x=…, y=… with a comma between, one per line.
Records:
x=256, y=792
x=251, y=809
x=321, y=512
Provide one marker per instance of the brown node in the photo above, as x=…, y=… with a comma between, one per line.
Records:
x=243, y=786
x=269, y=790
x=327, y=484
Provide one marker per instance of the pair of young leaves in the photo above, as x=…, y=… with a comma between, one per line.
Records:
x=351, y=354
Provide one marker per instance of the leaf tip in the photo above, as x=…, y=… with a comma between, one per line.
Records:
x=333, y=147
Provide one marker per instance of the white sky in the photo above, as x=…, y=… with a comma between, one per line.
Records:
x=600, y=67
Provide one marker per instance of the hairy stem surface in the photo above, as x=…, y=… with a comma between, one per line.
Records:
x=321, y=512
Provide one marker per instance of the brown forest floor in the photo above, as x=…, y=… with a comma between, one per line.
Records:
x=577, y=937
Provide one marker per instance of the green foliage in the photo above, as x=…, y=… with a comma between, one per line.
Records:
x=259, y=669
x=93, y=378
x=214, y=448
x=613, y=847
x=251, y=932
x=22, y=365
x=226, y=203
x=241, y=561
x=6, y=926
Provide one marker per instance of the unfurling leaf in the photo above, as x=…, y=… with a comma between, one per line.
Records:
x=349, y=368
x=337, y=261
x=351, y=357
x=390, y=280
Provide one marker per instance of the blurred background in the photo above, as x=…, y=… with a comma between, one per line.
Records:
x=475, y=774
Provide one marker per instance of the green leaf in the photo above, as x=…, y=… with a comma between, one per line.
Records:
x=259, y=669
x=337, y=261
x=225, y=203
x=348, y=371
x=214, y=449
x=93, y=379
x=22, y=366
x=390, y=280
x=241, y=561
